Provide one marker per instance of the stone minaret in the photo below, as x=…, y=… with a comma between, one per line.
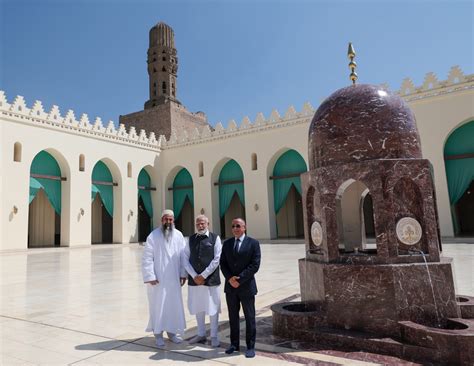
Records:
x=163, y=113
x=162, y=66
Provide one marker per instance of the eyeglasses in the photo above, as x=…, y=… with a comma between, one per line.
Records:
x=236, y=226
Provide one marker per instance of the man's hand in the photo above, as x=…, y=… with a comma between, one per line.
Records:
x=182, y=280
x=199, y=280
x=234, y=281
x=153, y=282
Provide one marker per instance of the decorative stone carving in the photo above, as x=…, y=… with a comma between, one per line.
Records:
x=408, y=231
x=317, y=233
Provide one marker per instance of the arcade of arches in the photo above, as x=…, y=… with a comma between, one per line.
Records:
x=46, y=179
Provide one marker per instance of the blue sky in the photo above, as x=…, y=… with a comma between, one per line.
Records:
x=236, y=58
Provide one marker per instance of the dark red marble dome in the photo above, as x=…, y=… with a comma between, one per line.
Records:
x=362, y=122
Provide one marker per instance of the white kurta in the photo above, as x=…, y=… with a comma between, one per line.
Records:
x=162, y=261
x=204, y=298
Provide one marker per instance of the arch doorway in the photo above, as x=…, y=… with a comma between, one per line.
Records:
x=287, y=194
x=145, y=206
x=459, y=163
x=231, y=196
x=102, y=204
x=183, y=202
x=44, y=217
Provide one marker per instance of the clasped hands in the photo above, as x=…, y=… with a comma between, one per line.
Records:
x=234, y=281
x=199, y=280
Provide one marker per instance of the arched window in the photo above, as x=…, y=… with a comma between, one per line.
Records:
x=17, y=152
x=355, y=216
x=254, y=161
x=163, y=69
x=201, y=169
x=129, y=170
x=163, y=86
x=82, y=162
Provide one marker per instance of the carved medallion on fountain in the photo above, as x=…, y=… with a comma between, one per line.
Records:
x=367, y=176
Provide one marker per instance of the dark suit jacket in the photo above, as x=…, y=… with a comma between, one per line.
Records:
x=244, y=265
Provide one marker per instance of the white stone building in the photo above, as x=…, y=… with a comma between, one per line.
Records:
x=70, y=182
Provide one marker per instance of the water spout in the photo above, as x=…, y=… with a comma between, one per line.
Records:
x=431, y=282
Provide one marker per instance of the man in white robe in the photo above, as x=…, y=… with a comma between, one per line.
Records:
x=201, y=260
x=164, y=274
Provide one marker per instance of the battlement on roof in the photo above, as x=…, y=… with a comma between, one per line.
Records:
x=36, y=115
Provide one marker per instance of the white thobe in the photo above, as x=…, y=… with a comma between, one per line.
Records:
x=162, y=261
x=204, y=298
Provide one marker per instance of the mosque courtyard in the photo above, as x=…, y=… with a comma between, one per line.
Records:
x=88, y=306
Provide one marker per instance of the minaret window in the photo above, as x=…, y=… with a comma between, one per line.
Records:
x=163, y=69
x=163, y=86
x=164, y=58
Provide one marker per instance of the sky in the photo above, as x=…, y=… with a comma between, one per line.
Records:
x=236, y=58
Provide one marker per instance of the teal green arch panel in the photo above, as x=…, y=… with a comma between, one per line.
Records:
x=45, y=164
x=291, y=162
x=145, y=181
x=182, y=179
x=459, y=172
x=102, y=173
x=230, y=172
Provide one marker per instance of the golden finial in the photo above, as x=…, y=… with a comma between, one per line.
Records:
x=352, y=65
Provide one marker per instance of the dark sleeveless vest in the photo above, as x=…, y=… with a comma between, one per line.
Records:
x=201, y=255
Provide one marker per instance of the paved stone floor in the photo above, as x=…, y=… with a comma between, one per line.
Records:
x=87, y=306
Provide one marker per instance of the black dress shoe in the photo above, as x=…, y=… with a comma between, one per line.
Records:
x=232, y=349
x=250, y=353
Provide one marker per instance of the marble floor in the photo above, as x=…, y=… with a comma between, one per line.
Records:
x=87, y=306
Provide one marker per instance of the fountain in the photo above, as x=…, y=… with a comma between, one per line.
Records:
x=396, y=297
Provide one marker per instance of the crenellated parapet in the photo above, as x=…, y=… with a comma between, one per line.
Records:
x=19, y=112
x=246, y=126
x=431, y=87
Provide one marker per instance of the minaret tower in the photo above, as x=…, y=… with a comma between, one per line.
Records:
x=162, y=66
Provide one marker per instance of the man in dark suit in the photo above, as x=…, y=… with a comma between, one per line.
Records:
x=240, y=260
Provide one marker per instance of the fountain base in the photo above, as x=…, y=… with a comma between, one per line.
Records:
x=453, y=344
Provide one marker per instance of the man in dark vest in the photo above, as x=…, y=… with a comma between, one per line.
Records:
x=201, y=260
x=240, y=260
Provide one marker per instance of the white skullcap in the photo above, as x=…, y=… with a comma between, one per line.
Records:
x=167, y=212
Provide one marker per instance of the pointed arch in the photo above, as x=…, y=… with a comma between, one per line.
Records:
x=106, y=194
x=49, y=197
x=459, y=165
x=231, y=181
x=182, y=189
x=286, y=173
x=145, y=204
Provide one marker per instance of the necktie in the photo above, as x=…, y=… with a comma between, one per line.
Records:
x=236, y=246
